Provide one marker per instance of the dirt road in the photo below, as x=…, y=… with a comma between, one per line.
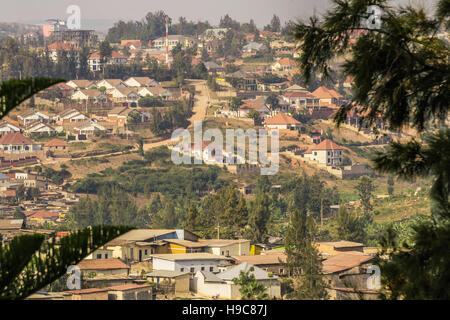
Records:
x=200, y=107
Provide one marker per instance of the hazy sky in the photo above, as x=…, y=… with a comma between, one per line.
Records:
x=261, y=11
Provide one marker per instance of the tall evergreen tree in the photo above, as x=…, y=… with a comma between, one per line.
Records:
x=401, y=74
x=303, y=260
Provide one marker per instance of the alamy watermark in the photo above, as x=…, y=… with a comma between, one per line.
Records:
x=374, y=281
x=204, y=150
x=74, y=19
x=373, y=20
x=74, y=278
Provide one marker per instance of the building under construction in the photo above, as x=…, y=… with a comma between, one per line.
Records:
x=77, y=38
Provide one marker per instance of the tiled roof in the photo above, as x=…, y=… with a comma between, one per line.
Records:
x=102, y=264
x=281, y=119
x=342, y=244
x=43, y=214
x=15, y=138
x=114, y=55
x=325, y=93
x=287, y=62
x=60, y=46
x=56, y=143
x=11, y=223
x=262, y=259
x=326, y=144
x=298, y=94
x=129, y=286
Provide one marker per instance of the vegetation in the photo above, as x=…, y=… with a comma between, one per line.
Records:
x=413, y=92
x=250, y=289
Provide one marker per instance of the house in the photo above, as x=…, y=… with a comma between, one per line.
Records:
x=16, y=143
x=213, y=67
x=272, y=263
x=346, y=275
x=254, y=47
x=33, y=116
x=140, y=82
x=90, y=95
x=88, y=129
x=104, y=266
x=282, y=121
x=174, y=40
x=56, y=144
x=131, y=44
x=120, y=115
x=327, y=152
x=71, y=115
x=190, y=262
x=42, y=216
x=284, y=64
x=258, y=106
x=170, y=281
x=156, y=91
x=243, y=80
x=128, y=95
x=110, y=83
x=184, y=246
x=301, y=99
x=122, y=292
x=6, y=127
x=56, y=48
x=140, y=244
x=336, y=247
x=80, y=84
x=39, y=128
x=101, y=253
x=315, y=136
x=95, y=61
x=221, y=284
x=329, y=96
x=227, y=248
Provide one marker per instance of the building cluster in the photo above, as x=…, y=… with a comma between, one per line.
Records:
x=146, y=262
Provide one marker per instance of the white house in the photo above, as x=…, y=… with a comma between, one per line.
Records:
x=140, y=82
x=328, y=96
x=155, y=91
x=91, y=95
x=88, y=129
x=110, y=83
x=39, y=128
x=71, y=115
x=33, y=116
x=301, y=99
x=225, y=247
x=186, y=42
x=189, y=262
x=6, y=127
x=125, y=95
x=221, y=285
x=327, y=152
x=17, y=143
x=95, y=61
x=80, y=84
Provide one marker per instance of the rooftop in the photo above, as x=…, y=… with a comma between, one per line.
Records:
x=189, y=256
x=281, y=119
x=102, y=264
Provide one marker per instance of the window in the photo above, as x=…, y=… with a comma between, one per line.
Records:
x=281, y=271
x=211, y=269
x=203, y=268
x=146, y=252
x=106, y=256
x=182, y=269
x=99, y=256
x=192, y=270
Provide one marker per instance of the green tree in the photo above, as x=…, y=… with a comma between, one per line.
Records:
x=365, y=190
x=413, y=91
x=390, y=183
x=259, y=214
x=250, y=289
x=303, y=260
x=192, y=221
x=236, y=104
x=272, y=102
x=349, y=225
x=18, y=272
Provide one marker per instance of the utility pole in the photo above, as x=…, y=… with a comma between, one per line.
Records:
x=218, y=230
